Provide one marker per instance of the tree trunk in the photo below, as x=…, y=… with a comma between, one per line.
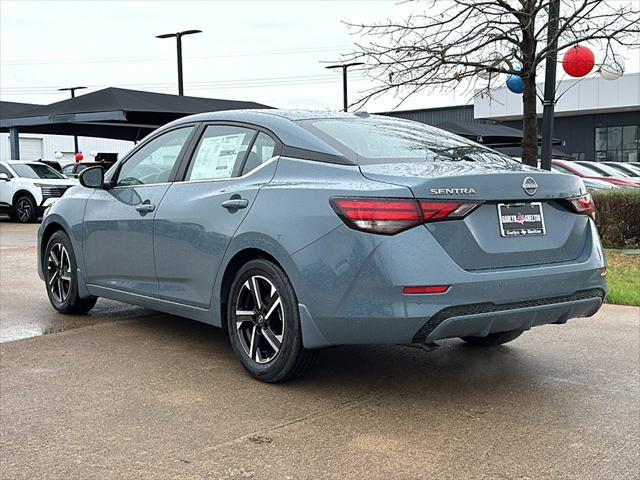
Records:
x=529, y=122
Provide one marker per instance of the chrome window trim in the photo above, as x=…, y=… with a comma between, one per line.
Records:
x=270, y=160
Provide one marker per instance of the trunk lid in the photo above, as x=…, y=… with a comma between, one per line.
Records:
x=455, y=180
x=475, y=243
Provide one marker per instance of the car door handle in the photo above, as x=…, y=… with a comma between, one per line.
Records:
x=235, y=203
x=145, y=207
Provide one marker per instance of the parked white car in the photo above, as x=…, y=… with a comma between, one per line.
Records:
x=28, y=188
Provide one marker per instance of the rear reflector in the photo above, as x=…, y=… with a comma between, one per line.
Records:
x=426, y=290
x=584, y=205
x=388, y=216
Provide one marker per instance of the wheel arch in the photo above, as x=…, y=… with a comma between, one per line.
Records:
x=236, y=262
x=49, y=230
x=20, y=193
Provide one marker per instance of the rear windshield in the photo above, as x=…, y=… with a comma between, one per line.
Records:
x=386, y=140
x=35, y=170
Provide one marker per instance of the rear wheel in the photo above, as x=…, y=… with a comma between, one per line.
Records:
x=24, y=210
x=494, y=339
x=264, y=324
x=60, y=273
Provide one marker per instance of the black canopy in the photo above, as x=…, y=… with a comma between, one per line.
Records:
x=9, y=109
x=113, y=113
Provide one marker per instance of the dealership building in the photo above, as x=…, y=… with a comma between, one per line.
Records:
x=595, y=119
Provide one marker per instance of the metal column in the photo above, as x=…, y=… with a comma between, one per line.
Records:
x=14, y=141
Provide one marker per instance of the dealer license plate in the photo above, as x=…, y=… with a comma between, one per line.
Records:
x=521, y=219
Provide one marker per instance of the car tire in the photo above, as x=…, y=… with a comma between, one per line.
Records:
x=60, y=273
x=263, y=323
x=494, y=339
x=24, y=209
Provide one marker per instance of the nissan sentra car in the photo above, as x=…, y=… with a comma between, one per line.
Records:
x=294, y=231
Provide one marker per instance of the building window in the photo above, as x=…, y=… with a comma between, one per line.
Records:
x=618, y=144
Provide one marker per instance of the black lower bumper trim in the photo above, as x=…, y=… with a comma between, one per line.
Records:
x=477, y=308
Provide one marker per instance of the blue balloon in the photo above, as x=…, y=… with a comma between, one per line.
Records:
x=515, y=84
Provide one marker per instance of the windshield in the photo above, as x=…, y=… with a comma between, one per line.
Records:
x=605, y=170
x=35, y=170
x=386, y=140
x=582, y=170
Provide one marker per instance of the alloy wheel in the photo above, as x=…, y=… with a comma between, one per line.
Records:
x=259, y=318
x=59, y=272
x=23, y=210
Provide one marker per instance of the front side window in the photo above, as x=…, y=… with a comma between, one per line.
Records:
x=385, y=140
x=4, y=169
x=221, y=150
x=35, y=170
x=155, y=161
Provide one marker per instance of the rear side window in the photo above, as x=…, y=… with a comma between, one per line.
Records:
x=385, y=140
x=220, y=153
x=262, y=150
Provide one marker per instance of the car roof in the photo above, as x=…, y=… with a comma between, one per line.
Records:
x=268, y=114
x=284, y=124
x=22, y=162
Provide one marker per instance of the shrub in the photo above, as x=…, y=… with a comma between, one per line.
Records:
x=618, y=217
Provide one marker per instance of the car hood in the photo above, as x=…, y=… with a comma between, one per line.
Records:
x=56, y=181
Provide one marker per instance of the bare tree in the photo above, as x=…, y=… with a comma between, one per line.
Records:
x=471, y=44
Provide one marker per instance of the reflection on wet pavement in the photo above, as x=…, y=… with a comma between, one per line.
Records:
x=24, y=308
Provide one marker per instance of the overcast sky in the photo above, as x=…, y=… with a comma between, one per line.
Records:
x=268, y=52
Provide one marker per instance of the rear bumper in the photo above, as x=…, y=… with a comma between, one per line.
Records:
x=481, y=319
x=350, y=287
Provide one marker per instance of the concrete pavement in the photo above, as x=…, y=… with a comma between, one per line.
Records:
x=157, y=396
x=24, y=307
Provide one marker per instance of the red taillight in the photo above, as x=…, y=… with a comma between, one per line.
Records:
x=584, y=205
x=434, y=211
x=388, y=216
x=426, y=290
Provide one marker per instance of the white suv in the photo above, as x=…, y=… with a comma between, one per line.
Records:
x=28, y=188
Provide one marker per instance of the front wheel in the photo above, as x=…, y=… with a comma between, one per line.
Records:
x=264, y=324
x=60, y=273
x=494, y=339
x=24, y=210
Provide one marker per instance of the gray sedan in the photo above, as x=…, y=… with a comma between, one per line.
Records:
x=295, y=231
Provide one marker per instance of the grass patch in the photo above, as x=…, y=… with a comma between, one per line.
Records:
x=623, y=276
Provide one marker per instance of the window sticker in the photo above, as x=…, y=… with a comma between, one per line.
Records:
x=217, y=156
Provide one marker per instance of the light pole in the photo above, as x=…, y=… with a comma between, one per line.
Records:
x=549, y=101
x=179, y=36
x=344, y=67
x=73, y=95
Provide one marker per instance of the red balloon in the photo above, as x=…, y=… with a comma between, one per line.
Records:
x=578, y=61
x=79, y=157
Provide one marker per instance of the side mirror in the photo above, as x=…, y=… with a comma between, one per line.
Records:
x=4, y=176
x=92, y=177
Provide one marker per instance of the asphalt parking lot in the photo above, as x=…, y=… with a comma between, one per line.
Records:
x=128, y=393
